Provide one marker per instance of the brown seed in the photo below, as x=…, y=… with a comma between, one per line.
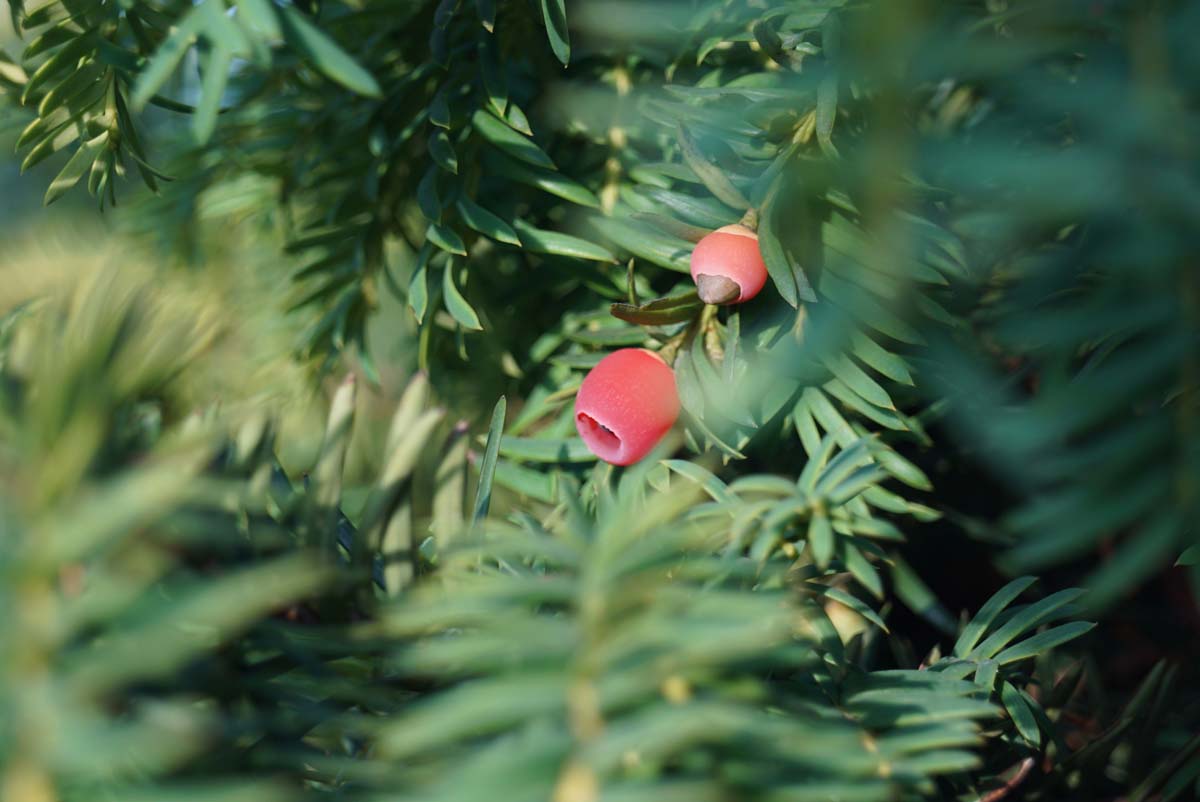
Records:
x=716, y=289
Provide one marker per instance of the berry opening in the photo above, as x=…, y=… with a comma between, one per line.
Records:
x=602, y=440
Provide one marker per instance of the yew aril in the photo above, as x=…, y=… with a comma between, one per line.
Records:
x=626, y=404
x=727, y=266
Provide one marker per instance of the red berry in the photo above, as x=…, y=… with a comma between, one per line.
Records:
x=728, y=267
x=626, y=404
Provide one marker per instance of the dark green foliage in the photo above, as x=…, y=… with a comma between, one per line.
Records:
x=978, y=218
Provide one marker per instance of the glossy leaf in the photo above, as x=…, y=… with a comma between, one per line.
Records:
x=487, y=466
x=79, y=164
x=418, y=286
x=167, y=57
x=820, y=539
x=975, y=629
x=553, y=242
x=1044, y=641
x=446, y=238
x=661, y=311
x=554, y=15
x=660, y=249
x=443, y=152
x=1020, y=713
x=530, y=449
x=515, y=144
x=672, y=226
x=427, y=196
x=713, y=177
x=262, y=16
x=456, y=304
x=779, y=265
x=325, y=54
x=551, y=182
x=486, y=223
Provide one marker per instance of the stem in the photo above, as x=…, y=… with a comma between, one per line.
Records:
x=712, y=343
x=750, y=219
x=670, y=351
x=798, y=328
x=1026, y=766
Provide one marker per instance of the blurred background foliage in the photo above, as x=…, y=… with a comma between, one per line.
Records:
x=265, y=531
